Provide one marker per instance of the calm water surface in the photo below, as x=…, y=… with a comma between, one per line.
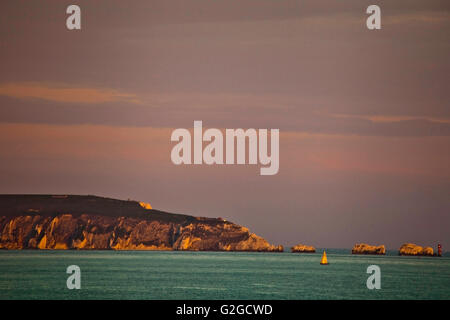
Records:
x=219, y=275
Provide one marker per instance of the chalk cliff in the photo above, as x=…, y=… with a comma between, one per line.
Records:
x=363, y=248
x=410, y=249
x=301, y=248
x=89, y=222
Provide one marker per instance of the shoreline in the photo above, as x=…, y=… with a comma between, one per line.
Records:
x=330, y=251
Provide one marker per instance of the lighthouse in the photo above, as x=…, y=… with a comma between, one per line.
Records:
x=439, y=250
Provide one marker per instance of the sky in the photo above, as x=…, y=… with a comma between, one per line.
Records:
x=364, y=115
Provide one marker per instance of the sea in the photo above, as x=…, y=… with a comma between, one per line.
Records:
x=39, y=274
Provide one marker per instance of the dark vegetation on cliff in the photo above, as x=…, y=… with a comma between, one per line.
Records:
x=76, y=205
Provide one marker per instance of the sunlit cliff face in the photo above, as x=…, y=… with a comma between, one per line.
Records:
x=90, y=222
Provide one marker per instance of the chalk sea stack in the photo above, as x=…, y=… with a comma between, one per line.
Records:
x=411, y=249
x=91, y=222
x=363, y=248
x=301, y=248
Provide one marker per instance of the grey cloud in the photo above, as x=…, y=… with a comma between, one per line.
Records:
x=175, y=114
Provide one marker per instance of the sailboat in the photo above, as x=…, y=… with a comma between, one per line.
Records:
x=324, y=258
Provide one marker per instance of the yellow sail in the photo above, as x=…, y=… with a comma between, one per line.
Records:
x=324, y=258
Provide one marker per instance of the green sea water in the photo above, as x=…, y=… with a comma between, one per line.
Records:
x=219, y=275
